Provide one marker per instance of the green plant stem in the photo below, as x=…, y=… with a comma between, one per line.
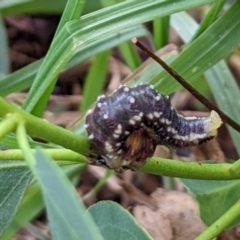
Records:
x=235, y=166
x=98, y=186
x=8, y=125
x=157, y=166
x=37, y=127
x=221, y=224
x=56, y=154
x=191, y=170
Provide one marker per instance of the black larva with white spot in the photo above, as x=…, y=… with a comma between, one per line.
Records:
x=126, y=127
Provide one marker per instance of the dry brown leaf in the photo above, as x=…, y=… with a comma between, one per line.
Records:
x=175, y=219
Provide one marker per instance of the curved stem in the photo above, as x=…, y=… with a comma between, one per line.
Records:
x=56, y=154
x=221, y=224
x=37, y=127
x=157, y=166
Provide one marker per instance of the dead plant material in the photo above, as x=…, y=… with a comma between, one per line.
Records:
x=175, y=219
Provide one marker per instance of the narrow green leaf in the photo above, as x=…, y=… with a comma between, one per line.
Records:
x=13, y=182
x=94, y=82
x=5, y=63
x=23, y=78
x=32, y=203
x=161, y=31
x=65, y=211
x=70, y=39
x=115, y=222
x=130, y=55
x=214, y=197
x=210, y=17
x=210, y=47
x=73, y=10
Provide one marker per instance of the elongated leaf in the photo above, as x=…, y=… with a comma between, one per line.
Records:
x=209, y=48
x=4, y=65
x=65, y=211
x=32, y=203
x=70, y=40
x=115, y=222
x=13, y=182
x=23, y=78
x=214, y=197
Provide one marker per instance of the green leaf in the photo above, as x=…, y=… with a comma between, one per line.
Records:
x=65, y=211
x=115, y=222
x=94, y=82
x=32, y=203
x=14, y=179
x=214, y=197
x=73, y=37
x=210, y=47
x=5, y=64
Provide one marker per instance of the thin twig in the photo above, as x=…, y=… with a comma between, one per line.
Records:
x=186, y=85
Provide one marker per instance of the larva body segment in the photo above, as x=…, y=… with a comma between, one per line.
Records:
x=126, y=127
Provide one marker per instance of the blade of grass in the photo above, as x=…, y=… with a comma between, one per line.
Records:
x=211, y=16
x=161, y=31
x=95, y=80
x=23, y=78
x=5, y=64
x=130, y=55
x=209, y=48
x=67, y=44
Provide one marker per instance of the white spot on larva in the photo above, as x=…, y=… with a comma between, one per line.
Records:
x=191, y=118
x=115, y=157
x=107, y=143
x=126, y=89
x=89, y=111
x=105, y=116
x=119, y=151
x=151, y=86
x=174, y=131
x=131, y=121
x=150, y=116
x=169, y=129
x=110, y=156
x=118, y=144
x=142, y=91
x=119, y=126
x=162, y=120
x=140, y=114
x=137, y=118
x=115, y=135
x=86, y=125
x=158, y=97
x=99, y=104
x=157, y=114
x=91, y=136
x=118, y=131
x=126, y=133
x=131, y=99
x=168, y=122
x=142, y=124
x=100, y=97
